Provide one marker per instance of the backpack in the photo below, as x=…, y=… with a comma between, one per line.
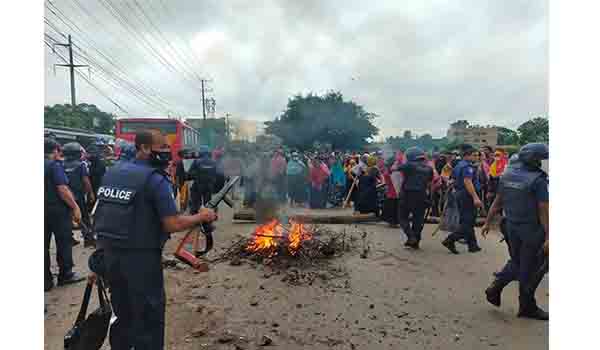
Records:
x=89, y=333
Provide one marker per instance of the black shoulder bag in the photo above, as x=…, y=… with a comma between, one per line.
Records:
x=89, y=333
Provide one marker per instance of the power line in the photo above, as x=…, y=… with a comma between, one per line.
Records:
x=134, y=32
x=88, y=81
x=132, y=25
x=195, y=57
x=165, y=40
x=97, y=64
x=71, y=67
x=162, y=104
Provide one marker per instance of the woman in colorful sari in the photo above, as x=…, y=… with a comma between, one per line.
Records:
x=367, y=188
x=318, y=173
x=495, y=171
x=337, y=182
x=393, y=182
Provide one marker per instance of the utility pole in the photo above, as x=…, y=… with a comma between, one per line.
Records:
x=71, y=67
x=203, y=107
x=202, y=81
x=227, y=126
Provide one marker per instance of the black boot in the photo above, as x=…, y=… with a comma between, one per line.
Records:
x=89, y=243
x=448, y=243
x=48, y=285
x=494, y=291
x=534, y=313
x=412, y=243
x=474, y=249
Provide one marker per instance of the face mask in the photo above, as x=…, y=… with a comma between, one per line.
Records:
x=160, y=159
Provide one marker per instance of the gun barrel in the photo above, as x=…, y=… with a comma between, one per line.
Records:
x=220, y=196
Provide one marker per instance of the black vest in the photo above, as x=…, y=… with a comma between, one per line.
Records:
x=418, y=178
x=519, y=202
x=125, y=216
x=204, y=172
x=74, y=171
x=51, y=198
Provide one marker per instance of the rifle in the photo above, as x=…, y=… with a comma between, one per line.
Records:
x=191, y=257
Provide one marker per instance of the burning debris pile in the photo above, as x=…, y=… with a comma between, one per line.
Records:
x=295, y=245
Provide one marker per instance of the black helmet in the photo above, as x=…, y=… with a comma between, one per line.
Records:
x=533, y=153
x=50, y=145
x=414, y=153
x=72, y=150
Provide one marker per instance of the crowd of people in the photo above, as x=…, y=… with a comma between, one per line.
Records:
x=136, y=208
x=369, y=182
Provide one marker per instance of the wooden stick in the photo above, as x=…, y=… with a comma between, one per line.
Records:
x=350, y=192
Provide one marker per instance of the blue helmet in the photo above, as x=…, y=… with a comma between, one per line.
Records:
x=533, y=153
x=414, y=153
x=128, y=152
x=203, y=150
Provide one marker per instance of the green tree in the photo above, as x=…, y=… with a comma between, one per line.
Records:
x=324, y=119
x=507, y=136
x=84, y=116
x=534, y=130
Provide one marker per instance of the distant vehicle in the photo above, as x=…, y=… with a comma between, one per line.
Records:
x=179, y=134
x=84, y=137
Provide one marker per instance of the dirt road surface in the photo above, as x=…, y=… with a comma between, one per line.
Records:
x=393, y=299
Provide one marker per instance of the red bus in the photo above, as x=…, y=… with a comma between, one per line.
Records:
x=179, y=134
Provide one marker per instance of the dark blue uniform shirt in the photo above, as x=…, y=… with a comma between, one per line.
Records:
x=57, y=174
x=465, y=170
x=540, y=186
x=162, y=192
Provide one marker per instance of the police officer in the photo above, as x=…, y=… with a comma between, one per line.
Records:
x=135, y=215
x=60, y=208
x=466, y=185
x=204, y=173
x=523, y=196
x=413, y=195
x=97, y=164
x=80, y=185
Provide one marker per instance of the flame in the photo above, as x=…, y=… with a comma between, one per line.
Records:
x=268, y=237
x=296, y=236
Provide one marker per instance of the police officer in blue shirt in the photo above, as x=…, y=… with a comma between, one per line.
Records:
x=136, y=213
x=60, y=208
x=465, y=184
x=523, y=196
x=80, y=185
x=413, y=195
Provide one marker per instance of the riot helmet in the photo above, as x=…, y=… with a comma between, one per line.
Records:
x=203, y=151
x=72, y=151
x=414, y=154
x=128, y=152
x=532, y=154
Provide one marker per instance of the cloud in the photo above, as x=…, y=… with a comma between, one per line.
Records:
x=419, y=64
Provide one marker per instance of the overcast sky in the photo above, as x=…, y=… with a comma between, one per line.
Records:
x=419, y=64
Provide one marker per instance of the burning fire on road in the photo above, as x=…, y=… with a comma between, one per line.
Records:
x=268, y=238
